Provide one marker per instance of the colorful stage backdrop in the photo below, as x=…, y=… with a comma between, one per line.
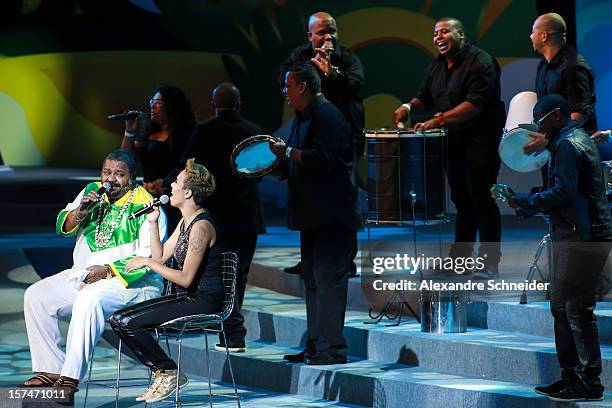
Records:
x=66, y=64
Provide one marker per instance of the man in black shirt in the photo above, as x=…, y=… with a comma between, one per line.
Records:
x=462, y=86
x=564, y=72
x=321, y=204
x=235, y=203
x=341, y=74
x=340, y=71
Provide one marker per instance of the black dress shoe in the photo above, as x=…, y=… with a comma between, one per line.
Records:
x=353, y=271
x=295, y=269
x=324, y=358
x=577, y=392
x=555, y=387
x=297, y=358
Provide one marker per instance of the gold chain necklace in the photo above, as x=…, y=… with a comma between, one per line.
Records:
x=103, y=235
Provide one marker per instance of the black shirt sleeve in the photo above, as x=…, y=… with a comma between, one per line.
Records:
x=350, y=77
x=481, y=83
x=576, y=79
x=424, y=93
x=330, y=137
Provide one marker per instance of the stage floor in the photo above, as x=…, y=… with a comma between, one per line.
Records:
x=19, y=253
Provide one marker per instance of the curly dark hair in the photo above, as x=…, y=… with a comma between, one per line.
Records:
x=179, y=111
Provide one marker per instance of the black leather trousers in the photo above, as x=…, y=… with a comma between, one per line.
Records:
x=133, y=323
x=578, y=265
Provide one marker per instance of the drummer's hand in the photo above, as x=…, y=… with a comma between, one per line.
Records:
x=401, y=114
x=537, y=145
x=601, y=136
x=278, y=148
x=429, y=124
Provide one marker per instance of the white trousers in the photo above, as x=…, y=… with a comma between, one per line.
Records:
x=56, y=296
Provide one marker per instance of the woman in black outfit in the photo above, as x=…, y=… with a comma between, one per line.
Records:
x=159, y=142
x=198, y=280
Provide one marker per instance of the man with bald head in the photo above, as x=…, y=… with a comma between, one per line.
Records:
x=340, y=70
x=564, y=72
x=235, y=203
x=341, y=74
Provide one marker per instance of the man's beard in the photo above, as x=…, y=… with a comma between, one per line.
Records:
x=118, y=192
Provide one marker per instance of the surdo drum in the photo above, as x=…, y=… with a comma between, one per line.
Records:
x=403, y=166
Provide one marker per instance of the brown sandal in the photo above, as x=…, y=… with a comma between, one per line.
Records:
x=69, y=386
x=43, y=381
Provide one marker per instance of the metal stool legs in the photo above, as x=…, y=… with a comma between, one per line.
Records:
x=116, y=387
x=177, y=401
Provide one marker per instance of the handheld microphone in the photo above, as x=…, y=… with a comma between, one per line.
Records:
x=123, y=116
x=87, y=205
x=156, y=203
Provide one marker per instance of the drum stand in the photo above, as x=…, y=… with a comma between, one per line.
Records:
x=546, y=242
x=398, y=296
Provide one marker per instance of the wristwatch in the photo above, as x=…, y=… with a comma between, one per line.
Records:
x=288, y=152
x=109, y=272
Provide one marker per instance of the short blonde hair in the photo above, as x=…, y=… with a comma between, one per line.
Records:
x=199, y=180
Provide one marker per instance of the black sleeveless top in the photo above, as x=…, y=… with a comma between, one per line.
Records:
x=208, y=277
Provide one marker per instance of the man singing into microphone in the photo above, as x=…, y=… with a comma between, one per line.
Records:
x=342, y=77
x=97, y=284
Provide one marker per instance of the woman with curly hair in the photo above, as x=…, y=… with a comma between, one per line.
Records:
x=198, y=279
x=159, y=141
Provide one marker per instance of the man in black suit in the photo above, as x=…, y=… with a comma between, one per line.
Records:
x=322, y=204
x=235, y=203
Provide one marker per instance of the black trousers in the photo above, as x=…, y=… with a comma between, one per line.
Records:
x=244, y=246
x=471, y=172
x=133, y=323
x=327, y=253
x=578, y=266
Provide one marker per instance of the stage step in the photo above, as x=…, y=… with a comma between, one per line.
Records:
x=362, y=382
x=494, y=354
x=533, y=318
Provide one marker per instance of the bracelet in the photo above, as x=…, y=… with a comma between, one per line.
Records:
x=288, y=152
x=408, y=106
x=109, y=272
x=129, y=135
x=334, y=71
x=75, y=218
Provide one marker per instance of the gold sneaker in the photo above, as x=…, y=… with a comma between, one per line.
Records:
x=166, y=385
x=152, y=387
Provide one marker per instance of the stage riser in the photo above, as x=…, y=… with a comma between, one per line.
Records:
x=454, y=353
x=534, y=318
x=379, y=385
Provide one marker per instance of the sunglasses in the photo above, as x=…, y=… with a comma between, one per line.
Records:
x=159, y=103
x=538, y=122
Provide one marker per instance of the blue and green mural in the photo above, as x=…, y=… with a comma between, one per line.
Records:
x=65, y=65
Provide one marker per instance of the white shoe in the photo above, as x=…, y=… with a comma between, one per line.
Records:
x=235, y=349
x=166, y=385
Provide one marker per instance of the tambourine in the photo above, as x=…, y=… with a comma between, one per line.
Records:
x=253, y=158
x=511, y=152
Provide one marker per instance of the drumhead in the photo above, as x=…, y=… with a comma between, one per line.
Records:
x=402, y=133
x=511, y=152
x=253, y=158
